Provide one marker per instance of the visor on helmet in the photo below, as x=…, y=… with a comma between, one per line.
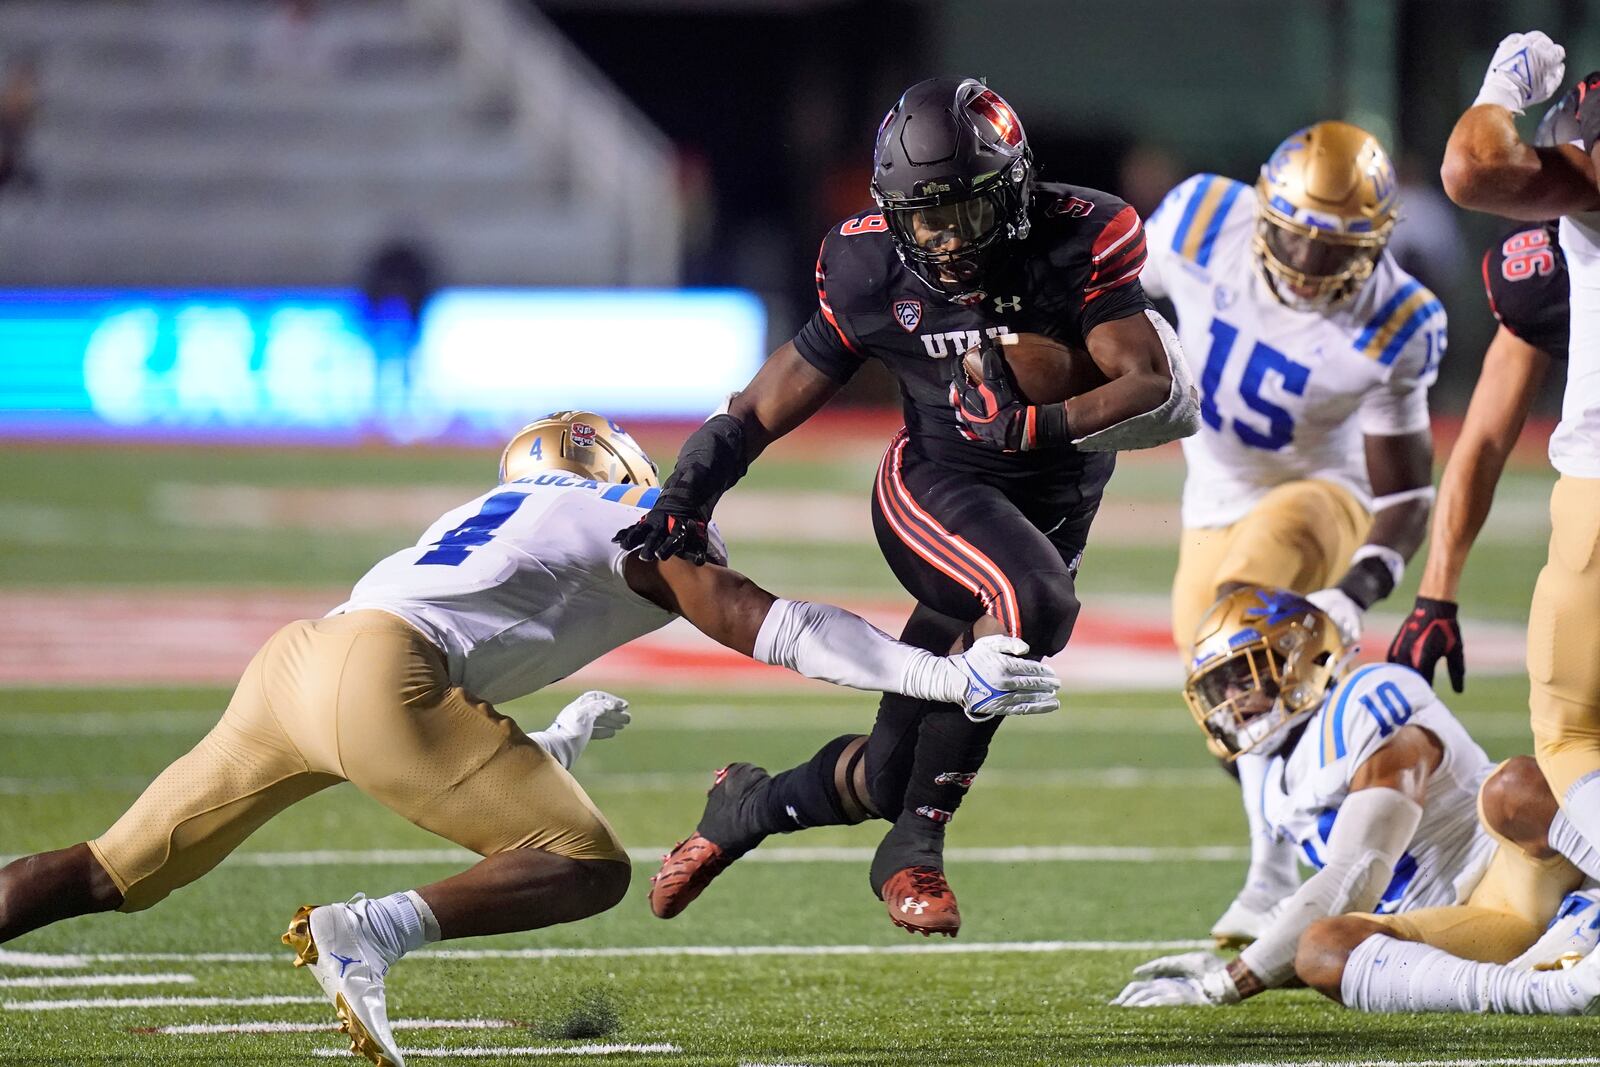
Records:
x=1236, y=700
x=1312, y=256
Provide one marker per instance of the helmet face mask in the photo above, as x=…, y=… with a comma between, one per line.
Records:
x=952, y=174
x=1327, y=203
x=1264, y=660
x=581, y=443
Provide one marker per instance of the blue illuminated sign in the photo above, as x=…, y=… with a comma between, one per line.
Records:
x=319, y=364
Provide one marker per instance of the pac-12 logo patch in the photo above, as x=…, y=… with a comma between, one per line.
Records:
x=583, y=435
x=908, y=313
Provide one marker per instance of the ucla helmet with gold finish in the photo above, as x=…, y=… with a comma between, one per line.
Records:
x=578, y=442
x=1328, y=201
x=1264, y=660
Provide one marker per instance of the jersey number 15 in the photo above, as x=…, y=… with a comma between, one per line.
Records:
x=1263, y=360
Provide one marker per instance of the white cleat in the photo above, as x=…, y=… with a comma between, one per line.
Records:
x=1243, y=922
x=1572, y=934
x=330, y=941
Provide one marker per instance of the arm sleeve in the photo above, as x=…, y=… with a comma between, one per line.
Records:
x=830, y=644
x=1177, y=417
x=1369, y=836
x=826, y=341
x=1399, y=405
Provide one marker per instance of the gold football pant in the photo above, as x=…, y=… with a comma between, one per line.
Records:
x=1503, y=915
x=1564, y=639
x=1299, y=537
x=362, y=698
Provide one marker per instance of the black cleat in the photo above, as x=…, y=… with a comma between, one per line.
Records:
x=727, y=831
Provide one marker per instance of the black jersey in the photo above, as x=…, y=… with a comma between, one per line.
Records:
x=1525, y=275
x=1078, y=267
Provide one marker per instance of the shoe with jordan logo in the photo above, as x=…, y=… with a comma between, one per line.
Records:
x=332, y=941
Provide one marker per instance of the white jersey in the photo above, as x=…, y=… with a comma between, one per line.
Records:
x=521, y=586
x=1285, y=394
x=1304, y=787
x=1575, y=445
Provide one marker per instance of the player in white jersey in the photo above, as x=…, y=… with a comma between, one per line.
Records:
x=394, y=691
x=1313, y=351
x=1377, y=784
x=1488, y=167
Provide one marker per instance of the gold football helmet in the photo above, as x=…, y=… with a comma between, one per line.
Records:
x=1328, y=200
x=581, y=443
x=1264, y=660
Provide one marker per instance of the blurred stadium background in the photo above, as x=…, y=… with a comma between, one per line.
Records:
x=277, y=277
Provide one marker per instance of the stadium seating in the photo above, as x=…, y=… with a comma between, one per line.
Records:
x=192, y=142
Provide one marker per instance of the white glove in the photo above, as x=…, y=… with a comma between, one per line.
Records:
x=995, y=681
x=1217, y=987
x=1526, y=69
x=1345, y=613
x=593, y=716
x=1183, y=965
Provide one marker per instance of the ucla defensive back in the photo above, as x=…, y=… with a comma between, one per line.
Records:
x=1377, y=784
x=1313, y=351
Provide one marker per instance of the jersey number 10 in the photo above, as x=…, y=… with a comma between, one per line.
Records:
x=1264, y=360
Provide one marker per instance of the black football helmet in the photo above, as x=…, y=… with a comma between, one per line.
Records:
x=1559, y=125
x=951, y=173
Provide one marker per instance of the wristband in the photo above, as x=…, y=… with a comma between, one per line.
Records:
x=1047, y=426
x=1370, y=577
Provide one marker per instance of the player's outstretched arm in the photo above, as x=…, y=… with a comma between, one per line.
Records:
x=828, y=643
x=1488, y=167
x=1512, y=372
x=784, y=393
x=1375, y=826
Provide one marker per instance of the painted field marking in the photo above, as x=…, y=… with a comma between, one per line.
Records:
x=486, y=1051
x=65, y=981
x=1513, y=1061
x=104, y=1003
x=400, y=857
x=313, y=1028
x=635, y=951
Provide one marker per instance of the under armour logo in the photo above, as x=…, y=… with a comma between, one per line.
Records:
x=913, y=906
x=1002, y=305
x=1517, y=67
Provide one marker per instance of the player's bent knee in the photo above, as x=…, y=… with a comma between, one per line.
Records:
x=1325, y=948
x=1516, y=803
x=606, y=882
x=1049, y=607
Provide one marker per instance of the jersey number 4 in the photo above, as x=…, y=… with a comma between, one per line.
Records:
x=1264, y=360
x=451, y=550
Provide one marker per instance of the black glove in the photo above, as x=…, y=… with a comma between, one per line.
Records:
x=992, y=410
x=1430, y=632
x=675, y=526
x=1589, y=110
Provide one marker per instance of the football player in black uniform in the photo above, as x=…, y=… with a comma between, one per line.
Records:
x=1525, y=278
x=982, y=503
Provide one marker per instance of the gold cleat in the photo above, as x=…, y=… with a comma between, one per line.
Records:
x=1564, y=962
x=298, y=937
x=361, y=1042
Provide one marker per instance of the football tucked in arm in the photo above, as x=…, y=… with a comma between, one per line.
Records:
x=1044, y=371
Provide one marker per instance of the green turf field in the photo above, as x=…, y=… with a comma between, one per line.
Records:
x=790, y=961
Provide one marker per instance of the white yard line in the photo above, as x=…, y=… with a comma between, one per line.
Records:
x=314, y=1028
x=486, y=1051
x=400, y=857
x=93, y=1003
x=625, y=951
x=1513, y=1061
x=56, y=981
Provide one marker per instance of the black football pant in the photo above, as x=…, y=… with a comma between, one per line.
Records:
x=966, y=545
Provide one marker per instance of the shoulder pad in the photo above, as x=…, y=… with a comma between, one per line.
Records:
x=1366, y=709
x=1405, y=306
x=1192, y=216
x=856, y=260
x=1525, y=278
